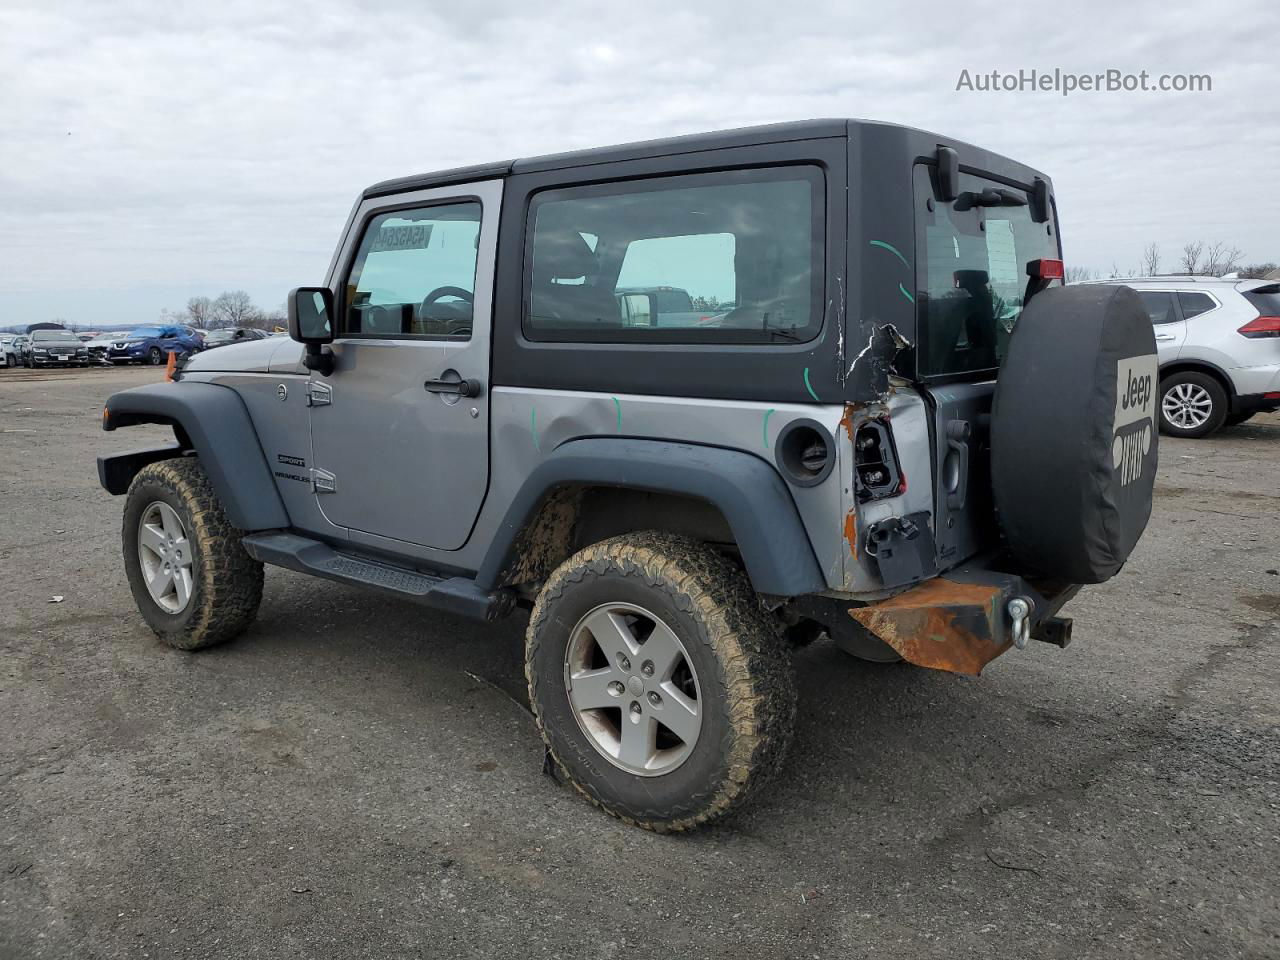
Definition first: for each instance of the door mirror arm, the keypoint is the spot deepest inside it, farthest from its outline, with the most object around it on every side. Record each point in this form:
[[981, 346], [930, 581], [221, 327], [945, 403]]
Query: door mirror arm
[[319, 358]]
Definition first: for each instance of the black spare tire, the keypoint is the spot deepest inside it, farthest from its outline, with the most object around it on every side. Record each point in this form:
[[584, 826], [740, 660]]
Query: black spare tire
[[1073, 432]]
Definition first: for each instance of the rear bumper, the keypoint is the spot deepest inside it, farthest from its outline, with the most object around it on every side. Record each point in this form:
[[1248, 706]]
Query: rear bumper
[[1257, 402], [961, 622]]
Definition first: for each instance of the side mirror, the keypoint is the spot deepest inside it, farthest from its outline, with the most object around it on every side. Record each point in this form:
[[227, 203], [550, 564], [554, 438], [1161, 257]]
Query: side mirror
[[639, 309], [311, 323]]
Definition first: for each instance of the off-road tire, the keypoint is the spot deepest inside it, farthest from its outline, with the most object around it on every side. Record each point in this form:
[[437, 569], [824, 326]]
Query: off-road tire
[[226, 581], [1235, 419], [746, 685], [1217, 397]]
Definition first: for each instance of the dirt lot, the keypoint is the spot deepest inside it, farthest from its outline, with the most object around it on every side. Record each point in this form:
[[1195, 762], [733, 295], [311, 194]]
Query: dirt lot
[[359, 778]]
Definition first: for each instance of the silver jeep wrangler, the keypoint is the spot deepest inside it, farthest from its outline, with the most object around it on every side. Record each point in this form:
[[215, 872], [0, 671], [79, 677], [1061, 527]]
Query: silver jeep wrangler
[[689, 402]]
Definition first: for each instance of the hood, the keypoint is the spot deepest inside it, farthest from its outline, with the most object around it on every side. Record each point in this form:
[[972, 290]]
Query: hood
[[250, 356]]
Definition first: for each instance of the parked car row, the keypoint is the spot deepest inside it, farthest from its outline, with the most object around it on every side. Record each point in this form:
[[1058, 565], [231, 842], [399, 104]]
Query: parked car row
[[147, 344]]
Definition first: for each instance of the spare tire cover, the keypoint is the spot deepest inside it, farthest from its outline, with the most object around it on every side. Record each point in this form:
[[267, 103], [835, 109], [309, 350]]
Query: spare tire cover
[[1073, 432]]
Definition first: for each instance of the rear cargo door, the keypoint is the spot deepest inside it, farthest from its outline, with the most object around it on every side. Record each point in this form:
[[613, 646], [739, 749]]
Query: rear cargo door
[[972, 255]]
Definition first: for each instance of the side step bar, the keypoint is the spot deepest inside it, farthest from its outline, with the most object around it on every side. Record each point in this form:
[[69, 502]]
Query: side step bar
[[456, 595]]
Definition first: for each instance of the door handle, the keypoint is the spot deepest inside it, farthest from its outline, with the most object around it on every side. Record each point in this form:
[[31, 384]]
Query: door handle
[[1166, 336], [457, 388]]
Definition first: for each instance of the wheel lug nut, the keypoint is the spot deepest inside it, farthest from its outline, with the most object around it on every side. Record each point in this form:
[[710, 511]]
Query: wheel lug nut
[[623, 662], [616, 688], [647, 668], [635, 709], [655, 699]]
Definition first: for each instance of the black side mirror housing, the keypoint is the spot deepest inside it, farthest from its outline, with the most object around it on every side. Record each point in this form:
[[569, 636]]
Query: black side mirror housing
[[311, 323]]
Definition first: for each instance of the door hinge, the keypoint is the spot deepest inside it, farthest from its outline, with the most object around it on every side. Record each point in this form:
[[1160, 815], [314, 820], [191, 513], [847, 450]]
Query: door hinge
[[322, 481], [318, 394]]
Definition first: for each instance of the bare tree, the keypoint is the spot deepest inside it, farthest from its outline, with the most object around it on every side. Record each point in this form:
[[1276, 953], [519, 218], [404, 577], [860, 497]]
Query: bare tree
[[1191, 257], [1078, 274], [199, 312], [1151, 260], [234, 308], [1117, 273], [1221, 259], [1256, 271]]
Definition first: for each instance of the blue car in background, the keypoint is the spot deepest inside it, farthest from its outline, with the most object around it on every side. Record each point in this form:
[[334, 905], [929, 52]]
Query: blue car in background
[[149, 345]]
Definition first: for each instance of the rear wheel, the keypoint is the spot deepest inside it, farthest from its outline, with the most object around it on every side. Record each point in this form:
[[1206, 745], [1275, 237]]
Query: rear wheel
[[1192, 405], [662, 690], [192, 580]]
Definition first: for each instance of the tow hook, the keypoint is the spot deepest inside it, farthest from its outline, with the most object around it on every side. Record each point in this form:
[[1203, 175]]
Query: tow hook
[[1019, 610]]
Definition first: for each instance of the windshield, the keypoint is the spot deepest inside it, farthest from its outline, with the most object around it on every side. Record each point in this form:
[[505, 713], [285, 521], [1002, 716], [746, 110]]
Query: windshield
[[972, 276], [216, 335], [143, 333], [55, 335]]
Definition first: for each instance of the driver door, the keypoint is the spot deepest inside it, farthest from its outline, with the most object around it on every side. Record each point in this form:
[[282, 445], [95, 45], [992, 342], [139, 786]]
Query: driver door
[[399, 431]]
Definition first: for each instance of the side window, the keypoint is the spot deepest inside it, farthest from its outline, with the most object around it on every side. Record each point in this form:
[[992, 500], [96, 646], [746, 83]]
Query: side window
[[733, 256], [415, 274], [1194, 304], [1159, 306]]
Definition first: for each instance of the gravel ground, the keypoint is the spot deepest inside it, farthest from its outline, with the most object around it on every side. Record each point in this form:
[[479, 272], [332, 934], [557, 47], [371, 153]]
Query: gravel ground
[[360, 778]]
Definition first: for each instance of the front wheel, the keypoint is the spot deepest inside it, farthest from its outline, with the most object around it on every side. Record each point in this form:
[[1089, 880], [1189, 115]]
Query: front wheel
[[190, 576], [10, 361], [155, 356], [1192, 405], [663, 691]]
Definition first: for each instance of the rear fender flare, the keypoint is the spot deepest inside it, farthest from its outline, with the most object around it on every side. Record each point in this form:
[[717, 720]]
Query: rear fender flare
[[748, 491]]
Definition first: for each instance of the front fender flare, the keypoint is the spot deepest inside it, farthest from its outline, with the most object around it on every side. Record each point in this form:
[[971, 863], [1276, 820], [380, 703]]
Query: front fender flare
[[216, 422], [748, 491]]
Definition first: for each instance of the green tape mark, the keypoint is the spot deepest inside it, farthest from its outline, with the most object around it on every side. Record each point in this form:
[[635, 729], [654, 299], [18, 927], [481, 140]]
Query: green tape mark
[[892, 249], [808, 386], [906, 294], [533, 428], [767, 414], [618, 405]]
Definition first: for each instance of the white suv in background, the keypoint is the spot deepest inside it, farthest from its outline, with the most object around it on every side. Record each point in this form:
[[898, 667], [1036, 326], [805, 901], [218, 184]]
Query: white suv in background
[[1219, 347]]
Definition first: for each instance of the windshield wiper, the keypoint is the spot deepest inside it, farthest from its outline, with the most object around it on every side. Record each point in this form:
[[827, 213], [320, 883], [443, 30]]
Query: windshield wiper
[[989, 198]]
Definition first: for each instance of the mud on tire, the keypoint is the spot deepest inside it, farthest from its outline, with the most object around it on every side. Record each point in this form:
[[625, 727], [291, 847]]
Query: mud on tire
[[746, 690], [226, 582]]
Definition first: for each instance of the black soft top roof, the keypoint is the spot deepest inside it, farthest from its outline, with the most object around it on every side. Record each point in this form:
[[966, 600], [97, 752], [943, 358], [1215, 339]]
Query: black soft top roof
[[743, 136]]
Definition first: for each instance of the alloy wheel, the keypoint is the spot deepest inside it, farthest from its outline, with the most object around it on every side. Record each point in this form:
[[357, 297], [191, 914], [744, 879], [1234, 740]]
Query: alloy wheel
[[1187, 405], [164, 553], [633, 689]]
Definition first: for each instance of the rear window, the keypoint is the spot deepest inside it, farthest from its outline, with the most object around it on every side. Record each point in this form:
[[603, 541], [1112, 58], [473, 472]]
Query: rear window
[[972, 274], [1193, 304], [734, 256], [1265, 299]]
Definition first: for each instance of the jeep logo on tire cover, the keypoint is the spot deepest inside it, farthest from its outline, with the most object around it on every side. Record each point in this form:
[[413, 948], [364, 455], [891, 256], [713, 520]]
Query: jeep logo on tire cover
[[1135, 420]]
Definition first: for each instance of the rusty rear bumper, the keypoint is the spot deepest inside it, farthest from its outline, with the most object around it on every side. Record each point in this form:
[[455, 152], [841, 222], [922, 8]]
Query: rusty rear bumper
[[959, 622]]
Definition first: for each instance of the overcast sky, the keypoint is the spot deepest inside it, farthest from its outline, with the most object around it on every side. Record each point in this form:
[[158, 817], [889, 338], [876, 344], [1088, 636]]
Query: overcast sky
[[150, 152]]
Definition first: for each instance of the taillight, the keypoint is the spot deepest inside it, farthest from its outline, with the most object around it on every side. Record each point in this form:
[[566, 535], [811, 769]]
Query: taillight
[[1047, 269], [1260, 327]]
